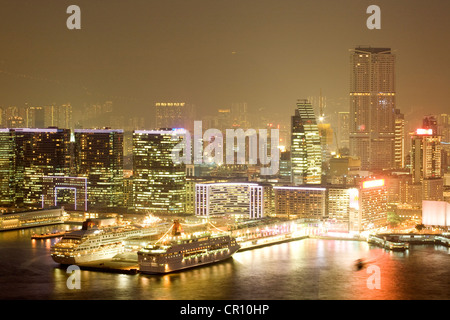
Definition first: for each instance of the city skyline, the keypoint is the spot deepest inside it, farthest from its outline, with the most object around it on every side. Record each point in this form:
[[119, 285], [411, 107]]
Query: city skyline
[[216, 54], [156, 143]]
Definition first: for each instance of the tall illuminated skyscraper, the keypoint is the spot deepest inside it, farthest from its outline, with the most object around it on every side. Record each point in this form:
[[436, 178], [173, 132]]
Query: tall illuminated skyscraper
[[399, 150], [372, 107], [99, 158], [426, 167], [425, 155], [8, 179], [27, 155], [306, 151], [158, 183]]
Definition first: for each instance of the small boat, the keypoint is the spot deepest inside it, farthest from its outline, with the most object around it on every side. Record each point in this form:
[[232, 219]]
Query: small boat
[[48, 235]]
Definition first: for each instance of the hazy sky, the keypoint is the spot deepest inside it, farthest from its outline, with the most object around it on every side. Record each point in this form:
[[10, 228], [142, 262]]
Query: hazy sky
[[268, 53]]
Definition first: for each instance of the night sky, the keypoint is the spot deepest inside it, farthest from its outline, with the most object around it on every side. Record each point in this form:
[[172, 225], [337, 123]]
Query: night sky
[[268, 53]]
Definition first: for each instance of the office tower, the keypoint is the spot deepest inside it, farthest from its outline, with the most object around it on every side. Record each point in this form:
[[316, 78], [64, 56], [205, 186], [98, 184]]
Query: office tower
[[443, 122], [343, 131], [32, 154], [99, 158], [372, 107], [8, 180], [399, 149], [158, 183], [426, 164], [175, 115], [425, 155], [306, 155]]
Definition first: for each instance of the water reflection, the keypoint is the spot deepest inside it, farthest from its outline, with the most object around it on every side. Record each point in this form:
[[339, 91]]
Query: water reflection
[[305, 269]]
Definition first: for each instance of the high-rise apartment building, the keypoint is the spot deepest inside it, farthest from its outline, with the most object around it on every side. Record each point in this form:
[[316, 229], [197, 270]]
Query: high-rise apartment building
[[306, 150], [99, 157], [58, 116], [372, 107], [174, 115], [158, 183]]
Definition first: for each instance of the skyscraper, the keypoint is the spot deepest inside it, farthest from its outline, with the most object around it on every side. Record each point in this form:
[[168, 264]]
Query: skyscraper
[[306, 151], [372, 107], [27, 155], [99, 158], [8, 179], [399, 149], [425, 155], [343, 131], [158, 183], [426, 163]]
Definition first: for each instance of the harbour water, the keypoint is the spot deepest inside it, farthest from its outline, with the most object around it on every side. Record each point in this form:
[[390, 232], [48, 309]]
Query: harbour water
[[309, 269]]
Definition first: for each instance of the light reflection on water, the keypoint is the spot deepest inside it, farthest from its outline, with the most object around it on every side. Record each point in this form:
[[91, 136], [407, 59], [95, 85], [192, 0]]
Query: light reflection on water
[[305, 269]]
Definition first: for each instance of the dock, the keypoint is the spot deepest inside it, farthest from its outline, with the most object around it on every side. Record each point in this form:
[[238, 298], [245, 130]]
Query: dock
[[268, 241], [389, 242]]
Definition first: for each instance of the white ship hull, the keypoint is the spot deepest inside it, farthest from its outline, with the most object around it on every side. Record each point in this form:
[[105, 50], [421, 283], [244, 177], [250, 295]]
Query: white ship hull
[[88, 257], [84, 246]]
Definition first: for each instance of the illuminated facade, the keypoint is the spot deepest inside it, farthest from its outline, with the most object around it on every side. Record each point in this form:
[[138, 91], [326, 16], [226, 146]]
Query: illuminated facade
[[70, 192], [372, 107], [355, 208], [372, 205], [425, 155], [99, 158], [300, 202], [242, 200], [436, 213], [399, 149], [426, 162], [306, 150], [158, 183], [8, 179], [32, 154]]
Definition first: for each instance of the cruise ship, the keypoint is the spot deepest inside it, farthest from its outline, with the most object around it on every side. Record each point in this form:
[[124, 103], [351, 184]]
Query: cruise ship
[[183, 252], [92, 243]]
